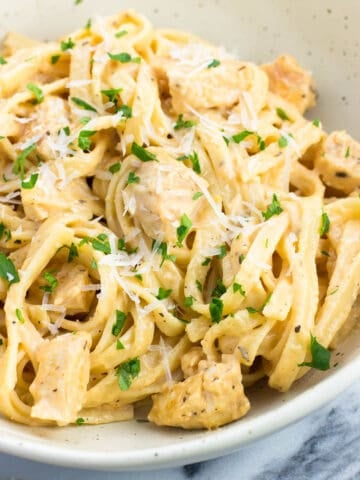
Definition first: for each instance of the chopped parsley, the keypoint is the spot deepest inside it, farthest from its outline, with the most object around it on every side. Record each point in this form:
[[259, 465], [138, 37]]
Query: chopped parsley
[[320, 356], [66, 130], [77, 2], [261, 309], [282, 114], [181, 123], [119, 345], [206, 262], [219, 290], [316, 122], [126, 372], [84, 120], [325, 224], [216, 307], [112, 94], [215, 63], [183, 229], [163, 293], [31, 182], [67, 45], [347, 153], [73, 252], [273, 209], [7, 270], [82, 104], [115, 167], [121, 245], [132, 178], [119, 323], [241, 258], [125, 110], [223, 252], [239, 137], [36, 91], [124, 57], [237, 287], [5, 231], [197, 195], [19, 315], [283, 142], [3, 61], [194, 159], [19, 165], [79, 421], [162, 249], [199, 285], [52, 282], [84, 141], [121, 33], [142, 154], [101, 244], [189, 301]]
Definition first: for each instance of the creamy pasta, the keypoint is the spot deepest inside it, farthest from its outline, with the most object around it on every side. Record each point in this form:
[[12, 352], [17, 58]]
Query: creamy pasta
[[172, 228]]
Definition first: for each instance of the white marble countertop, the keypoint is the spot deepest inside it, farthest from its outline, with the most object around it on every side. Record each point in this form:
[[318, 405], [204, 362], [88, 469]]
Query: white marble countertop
[[323, 446]]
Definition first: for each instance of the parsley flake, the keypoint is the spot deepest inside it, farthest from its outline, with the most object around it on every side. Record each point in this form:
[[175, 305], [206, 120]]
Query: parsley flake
[[183, 229], [67, 45], [82, 104], [316, 122], [189, 301], [181, 123], [3, 61], [325, 224], [112, 94], [7, 270], [84, 141], [320, 356], [19, 315], [115, 167], [121, 33], [215, 63], [216, 307], [119, 345], [347, 153], [219, 290], [132, 178], [52, 282], [123, 57], [163, 293], [142, 154], [273, 209], [162, 249], [283, 142], [119, 323], [125, 110], [282, 114], [126, 372], [237, 287], [36, 91], [197, 195], [80, 421], [31, 182], [19, 165]]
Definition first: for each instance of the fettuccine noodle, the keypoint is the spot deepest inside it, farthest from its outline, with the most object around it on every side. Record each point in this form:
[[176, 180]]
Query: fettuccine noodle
[[171, 227]]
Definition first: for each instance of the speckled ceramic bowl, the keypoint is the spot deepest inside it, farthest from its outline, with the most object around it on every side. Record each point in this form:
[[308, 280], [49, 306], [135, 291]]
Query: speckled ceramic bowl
[[324, 36]]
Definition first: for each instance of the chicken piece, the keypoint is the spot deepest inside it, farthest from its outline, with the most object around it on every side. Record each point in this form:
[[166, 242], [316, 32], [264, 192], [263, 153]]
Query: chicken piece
[[72, 278], [62, 376], [339, 162], [49, 197], [49, 117], [205, 88], [212, 397], [190, 361], [291, 82], [163, 194]]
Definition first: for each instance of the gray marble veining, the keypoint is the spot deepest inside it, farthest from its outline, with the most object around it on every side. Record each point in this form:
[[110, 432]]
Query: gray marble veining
[[323, 446]]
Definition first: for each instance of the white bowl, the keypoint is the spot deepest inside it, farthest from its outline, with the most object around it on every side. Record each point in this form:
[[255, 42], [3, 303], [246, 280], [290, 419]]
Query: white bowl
[[324, 37]]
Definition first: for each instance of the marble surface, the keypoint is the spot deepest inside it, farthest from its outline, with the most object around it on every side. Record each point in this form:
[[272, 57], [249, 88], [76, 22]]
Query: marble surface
[[323, 446]]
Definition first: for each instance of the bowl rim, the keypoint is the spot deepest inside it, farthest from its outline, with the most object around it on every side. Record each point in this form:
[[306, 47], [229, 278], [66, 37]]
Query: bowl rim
[[230, 438]]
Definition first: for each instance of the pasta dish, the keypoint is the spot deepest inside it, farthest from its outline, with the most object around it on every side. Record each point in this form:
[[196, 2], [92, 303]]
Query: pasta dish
[[172, 228]]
